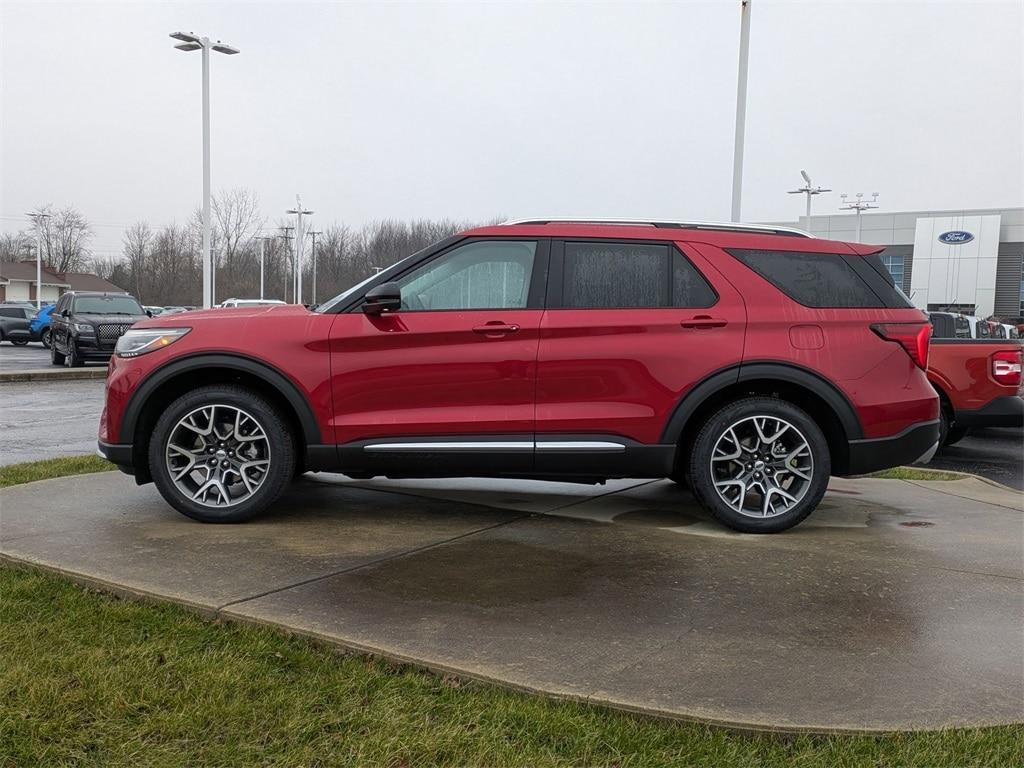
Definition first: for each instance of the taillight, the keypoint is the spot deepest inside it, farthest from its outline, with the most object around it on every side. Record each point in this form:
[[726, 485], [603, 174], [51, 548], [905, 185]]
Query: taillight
[[1006, 367], [913, 337]]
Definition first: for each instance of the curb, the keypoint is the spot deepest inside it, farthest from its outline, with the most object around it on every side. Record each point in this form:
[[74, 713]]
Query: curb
[[72, 374]]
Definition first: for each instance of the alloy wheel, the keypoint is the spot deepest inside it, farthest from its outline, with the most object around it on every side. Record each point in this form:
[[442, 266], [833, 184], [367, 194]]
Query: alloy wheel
[[762, 466], [218, 455]]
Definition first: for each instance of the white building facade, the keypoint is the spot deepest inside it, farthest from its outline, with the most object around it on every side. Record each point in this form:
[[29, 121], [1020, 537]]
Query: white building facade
[[959, 260]]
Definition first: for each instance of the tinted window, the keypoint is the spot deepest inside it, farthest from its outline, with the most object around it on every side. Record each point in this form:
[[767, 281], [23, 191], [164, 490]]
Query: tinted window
[[107, 305], [813, 279], [962, 327], [942, 326], [608, 275], [10, 312], [492, 274]]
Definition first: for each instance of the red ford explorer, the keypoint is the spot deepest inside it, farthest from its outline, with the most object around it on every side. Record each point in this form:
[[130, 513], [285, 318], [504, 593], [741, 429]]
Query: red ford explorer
[[747, 362]]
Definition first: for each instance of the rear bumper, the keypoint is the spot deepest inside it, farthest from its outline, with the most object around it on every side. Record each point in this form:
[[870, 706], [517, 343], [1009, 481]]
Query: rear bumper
[[915, 444], [1006, 411]]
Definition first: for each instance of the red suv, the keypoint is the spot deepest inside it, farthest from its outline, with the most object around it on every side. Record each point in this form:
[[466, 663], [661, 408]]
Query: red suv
[[748, 362]]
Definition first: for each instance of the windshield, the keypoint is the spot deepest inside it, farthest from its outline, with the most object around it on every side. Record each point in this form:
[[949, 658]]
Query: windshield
[[107, 305]]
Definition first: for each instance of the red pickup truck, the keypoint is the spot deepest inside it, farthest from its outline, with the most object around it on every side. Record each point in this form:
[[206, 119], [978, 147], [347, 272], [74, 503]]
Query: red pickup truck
[[979, 384]]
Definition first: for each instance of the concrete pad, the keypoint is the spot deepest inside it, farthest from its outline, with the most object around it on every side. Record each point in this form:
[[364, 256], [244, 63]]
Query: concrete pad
[[127, 535], [900, 607]]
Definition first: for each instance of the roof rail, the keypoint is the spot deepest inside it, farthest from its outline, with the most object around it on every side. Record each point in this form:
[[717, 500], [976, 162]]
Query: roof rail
[[767, 229]]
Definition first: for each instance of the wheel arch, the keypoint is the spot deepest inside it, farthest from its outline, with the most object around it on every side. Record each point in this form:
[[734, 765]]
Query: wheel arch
[[165, 384], [822, 400]]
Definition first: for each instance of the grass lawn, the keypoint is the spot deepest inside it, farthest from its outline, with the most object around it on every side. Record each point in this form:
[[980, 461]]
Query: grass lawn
[[87, 679]]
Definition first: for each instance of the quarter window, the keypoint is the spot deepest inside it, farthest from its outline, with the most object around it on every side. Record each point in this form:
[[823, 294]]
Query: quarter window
[[812, 279], [492, 274], [610, 275]]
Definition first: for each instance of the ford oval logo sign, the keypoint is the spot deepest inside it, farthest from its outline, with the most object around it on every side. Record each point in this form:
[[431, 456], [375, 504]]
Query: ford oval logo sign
[[956, 237]]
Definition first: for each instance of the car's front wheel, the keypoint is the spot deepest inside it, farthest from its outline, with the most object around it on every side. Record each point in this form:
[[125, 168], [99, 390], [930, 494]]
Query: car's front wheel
[[221, 454], [760, 465]]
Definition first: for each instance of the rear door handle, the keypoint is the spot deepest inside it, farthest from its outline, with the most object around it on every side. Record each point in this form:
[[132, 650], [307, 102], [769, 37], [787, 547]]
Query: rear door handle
[[496, 328], [704, 321]]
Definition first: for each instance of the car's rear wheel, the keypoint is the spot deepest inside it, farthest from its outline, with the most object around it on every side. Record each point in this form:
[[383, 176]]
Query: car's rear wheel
[[19, 342], [56, 358], [45, 338], [760, 465], [221, 454]]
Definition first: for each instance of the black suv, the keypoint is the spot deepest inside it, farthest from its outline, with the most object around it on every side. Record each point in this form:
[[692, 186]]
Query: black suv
[[86, 326]]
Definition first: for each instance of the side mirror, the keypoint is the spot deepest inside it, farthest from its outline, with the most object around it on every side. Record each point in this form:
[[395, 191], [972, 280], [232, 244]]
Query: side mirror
[[65, 313], [386, 296], [149, 313]]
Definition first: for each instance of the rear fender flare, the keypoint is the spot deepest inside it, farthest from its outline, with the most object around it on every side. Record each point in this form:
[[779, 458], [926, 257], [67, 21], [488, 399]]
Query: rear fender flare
[[783, 372]]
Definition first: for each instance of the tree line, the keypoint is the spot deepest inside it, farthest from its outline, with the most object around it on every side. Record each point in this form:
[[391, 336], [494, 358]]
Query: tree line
[[162, 266]]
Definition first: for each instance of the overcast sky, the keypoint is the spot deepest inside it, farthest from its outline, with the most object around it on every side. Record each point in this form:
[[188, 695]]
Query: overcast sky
[[472, 110]]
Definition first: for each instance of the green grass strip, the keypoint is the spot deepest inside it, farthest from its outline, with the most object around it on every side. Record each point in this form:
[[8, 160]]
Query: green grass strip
[[44, 470]]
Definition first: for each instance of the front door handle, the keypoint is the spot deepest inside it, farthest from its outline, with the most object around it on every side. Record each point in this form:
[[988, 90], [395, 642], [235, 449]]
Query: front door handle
[[496, 328], [704, 321]]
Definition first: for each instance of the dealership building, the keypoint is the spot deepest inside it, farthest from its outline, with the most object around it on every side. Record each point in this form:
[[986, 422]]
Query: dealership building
[[960, 260]]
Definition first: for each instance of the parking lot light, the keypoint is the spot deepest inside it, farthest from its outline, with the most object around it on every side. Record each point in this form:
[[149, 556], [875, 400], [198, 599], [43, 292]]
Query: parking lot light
[[193, 42], [37, 218]]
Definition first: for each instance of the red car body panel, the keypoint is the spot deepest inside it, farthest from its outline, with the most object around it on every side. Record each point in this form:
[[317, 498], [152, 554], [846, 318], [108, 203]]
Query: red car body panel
[[420, 373], [618, 371], [961, 369]]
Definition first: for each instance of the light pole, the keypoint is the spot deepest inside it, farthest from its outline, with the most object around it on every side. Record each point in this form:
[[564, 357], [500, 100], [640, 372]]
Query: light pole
[[191, 42], [312, 299], [859, 205], [810, 190], [262, 240], [299, 212], [741, 108], [286, 236], [37, 218]]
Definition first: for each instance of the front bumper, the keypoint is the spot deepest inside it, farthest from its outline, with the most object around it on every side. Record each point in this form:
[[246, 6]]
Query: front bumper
[[916, 444], [121, 455], [1006, 411], [89, 348]]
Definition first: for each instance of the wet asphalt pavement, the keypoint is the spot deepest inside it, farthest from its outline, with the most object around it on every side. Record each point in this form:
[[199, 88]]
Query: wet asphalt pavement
[[997, 454], [31, 357], [44, 419]]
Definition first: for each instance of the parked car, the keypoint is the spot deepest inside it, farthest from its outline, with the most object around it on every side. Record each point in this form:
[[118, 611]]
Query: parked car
[[978, 381], [232, 303], [86, 325], [153, 311], [749, 362], [41, 324], [15, 324]]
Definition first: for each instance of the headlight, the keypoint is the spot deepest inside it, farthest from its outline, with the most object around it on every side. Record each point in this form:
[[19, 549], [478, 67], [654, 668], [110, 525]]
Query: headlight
[[83, 327], [137, 342]]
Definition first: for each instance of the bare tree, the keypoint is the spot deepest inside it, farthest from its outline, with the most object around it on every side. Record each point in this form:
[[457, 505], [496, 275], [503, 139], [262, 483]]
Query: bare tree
[[15, 246], [137, 240], [65, 235]]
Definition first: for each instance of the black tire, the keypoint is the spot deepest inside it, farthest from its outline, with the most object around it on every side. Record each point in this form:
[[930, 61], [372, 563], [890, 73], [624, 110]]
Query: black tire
[[956, 434], [280, 438], [702, 482], [45, 338], [20, 343], [56, 358], [72, 358]]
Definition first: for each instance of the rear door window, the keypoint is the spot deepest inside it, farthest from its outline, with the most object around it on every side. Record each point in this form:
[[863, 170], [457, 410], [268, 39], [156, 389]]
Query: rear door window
[[624, 275], [820, 280]]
